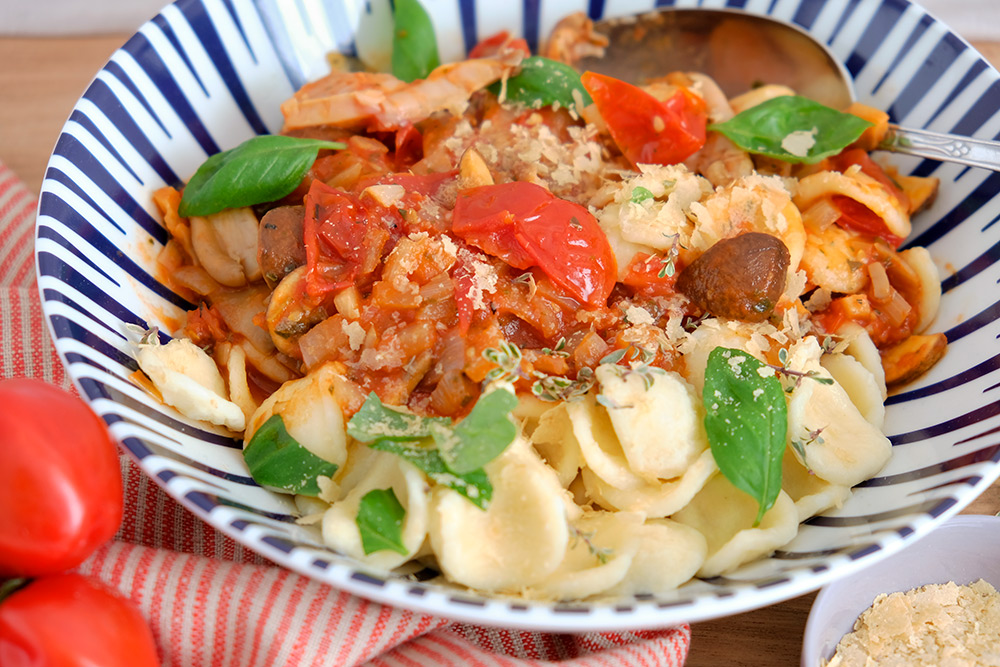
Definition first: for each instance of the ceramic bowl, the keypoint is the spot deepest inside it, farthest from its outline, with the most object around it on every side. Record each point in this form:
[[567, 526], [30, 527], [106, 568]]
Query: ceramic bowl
[[204, 75], [962, 550]]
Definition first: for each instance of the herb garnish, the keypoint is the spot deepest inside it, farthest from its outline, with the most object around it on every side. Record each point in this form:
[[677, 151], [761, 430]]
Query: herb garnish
[[380, 522], [278, 461], [746, 419], [451, 454], [262, 169], [763, 128], [543, 82], [414, 45]]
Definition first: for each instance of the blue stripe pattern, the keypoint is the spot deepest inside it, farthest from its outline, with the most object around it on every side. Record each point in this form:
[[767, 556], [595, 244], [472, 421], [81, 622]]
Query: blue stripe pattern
[[153, 113]]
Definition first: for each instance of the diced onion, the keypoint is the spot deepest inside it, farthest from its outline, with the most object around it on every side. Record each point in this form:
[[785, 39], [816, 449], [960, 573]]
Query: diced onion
[[896, 309], [882, 291], [821, 215]]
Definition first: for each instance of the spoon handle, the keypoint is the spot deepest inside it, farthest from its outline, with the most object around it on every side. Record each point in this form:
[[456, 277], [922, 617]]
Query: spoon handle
[[944, 147]]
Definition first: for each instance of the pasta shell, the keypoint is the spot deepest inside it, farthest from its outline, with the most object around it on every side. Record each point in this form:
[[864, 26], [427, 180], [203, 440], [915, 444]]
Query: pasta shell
[[654, 499], [725, 515], [602, 548], [312, 416], [658, 420], [518, 541], [849, 449], [669, 554], [381, 471], [860, 385], [811, 494]]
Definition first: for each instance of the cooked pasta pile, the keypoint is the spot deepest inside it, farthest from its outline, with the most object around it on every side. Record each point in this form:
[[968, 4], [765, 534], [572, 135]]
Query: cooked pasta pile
[[560, 340]]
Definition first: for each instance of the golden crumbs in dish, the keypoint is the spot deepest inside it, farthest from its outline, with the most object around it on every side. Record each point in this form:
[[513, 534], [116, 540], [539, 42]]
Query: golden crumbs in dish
[[939, 624]]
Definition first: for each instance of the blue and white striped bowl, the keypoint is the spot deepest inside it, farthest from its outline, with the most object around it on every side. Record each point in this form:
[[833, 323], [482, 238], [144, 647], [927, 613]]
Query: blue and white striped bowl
[[205, 75]]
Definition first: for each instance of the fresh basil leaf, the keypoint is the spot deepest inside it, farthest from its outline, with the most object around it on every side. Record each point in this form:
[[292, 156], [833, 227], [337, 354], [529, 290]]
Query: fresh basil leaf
[[770, 129], [473, 485], [262, 169], [380, 522], [746, 419], [482, 436], [414, 46], [277, 460], [542, 82], [375, 421]]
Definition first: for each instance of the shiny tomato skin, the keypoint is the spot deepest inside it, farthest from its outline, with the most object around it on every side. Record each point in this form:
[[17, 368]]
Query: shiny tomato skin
[[525, 225], [646, 130], [68, 620], [60, 482], [857, 217]]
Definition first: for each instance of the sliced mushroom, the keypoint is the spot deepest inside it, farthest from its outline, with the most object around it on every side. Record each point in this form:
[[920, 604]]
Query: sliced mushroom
[[281, 248], [288, 317]]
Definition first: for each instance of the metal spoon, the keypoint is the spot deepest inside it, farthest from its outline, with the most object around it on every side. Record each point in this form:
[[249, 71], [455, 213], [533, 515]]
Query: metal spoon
[[740, 51]]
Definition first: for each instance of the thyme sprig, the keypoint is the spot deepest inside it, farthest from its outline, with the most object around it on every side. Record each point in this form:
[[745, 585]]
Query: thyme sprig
[[507, 359], [812, 437], [602, 554], [796, 376]]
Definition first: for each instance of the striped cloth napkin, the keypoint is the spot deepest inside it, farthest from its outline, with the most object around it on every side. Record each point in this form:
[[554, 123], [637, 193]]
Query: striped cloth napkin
[[213, 603]]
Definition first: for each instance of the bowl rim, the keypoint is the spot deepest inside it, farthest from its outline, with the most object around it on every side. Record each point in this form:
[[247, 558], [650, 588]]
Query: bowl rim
[[495, 610]]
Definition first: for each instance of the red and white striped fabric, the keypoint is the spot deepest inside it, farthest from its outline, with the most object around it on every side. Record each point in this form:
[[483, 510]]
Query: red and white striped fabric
[[213, 603]]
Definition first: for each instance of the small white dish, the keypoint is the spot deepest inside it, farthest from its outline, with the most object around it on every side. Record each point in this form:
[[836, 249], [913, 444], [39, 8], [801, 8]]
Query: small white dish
[[962, 550]]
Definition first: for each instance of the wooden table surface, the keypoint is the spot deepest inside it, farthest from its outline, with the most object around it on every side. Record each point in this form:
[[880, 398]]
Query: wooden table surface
[[41, 79]]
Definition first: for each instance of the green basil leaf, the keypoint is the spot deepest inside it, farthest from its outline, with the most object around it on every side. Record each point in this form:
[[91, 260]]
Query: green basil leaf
[[542, 82], [375, 421], [473, 485], [481, 436], [380, 522], [277, 460], [262, 169], [746, 419], [414, 46], [766, 129]]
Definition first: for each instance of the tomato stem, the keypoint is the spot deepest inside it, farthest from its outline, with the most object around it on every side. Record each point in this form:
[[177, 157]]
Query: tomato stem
[[10, 586]]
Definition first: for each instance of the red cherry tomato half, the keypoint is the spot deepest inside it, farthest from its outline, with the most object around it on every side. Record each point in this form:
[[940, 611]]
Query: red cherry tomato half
[[491, 46], [60, 482], [67, 620], [525, 225], [646, 130], [857, 217]]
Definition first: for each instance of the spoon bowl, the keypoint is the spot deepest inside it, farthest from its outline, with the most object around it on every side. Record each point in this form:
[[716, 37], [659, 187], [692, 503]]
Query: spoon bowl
[[741, 51]]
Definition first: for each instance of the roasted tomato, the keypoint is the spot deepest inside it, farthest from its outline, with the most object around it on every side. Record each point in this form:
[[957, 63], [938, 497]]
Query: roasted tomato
[[525, 225], [60, 482], [646, 130]]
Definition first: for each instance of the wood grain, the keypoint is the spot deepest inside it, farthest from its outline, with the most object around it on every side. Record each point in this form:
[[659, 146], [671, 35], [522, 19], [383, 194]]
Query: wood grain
[[41, 79]]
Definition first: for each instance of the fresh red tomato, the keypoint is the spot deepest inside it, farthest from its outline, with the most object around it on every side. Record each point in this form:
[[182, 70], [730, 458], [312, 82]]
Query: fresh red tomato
[[648, 274], [525, 225], [857, 217], [67, 620], [60, 482], [491, 45], [646, 130]]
